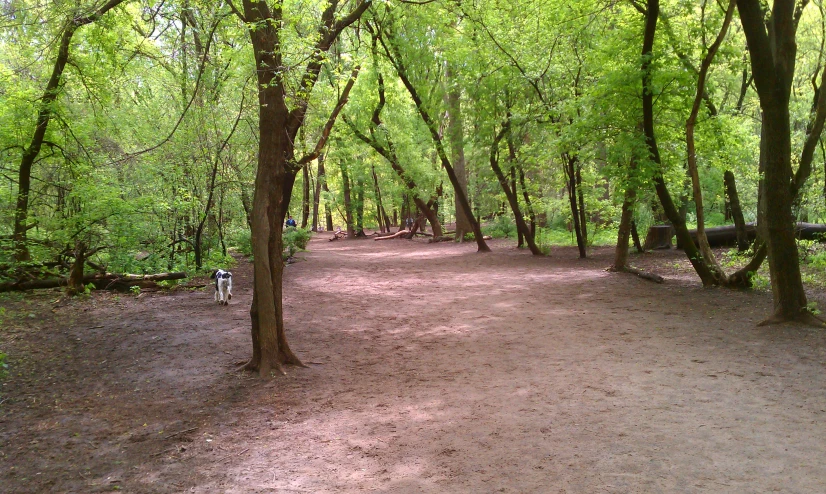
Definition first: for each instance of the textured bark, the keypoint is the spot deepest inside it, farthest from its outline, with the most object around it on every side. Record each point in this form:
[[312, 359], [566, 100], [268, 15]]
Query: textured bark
[[510, 193], [693, 254], [456, 138], [773, 54], [736, 211], [693, 172], [626, 222], [278, 127]]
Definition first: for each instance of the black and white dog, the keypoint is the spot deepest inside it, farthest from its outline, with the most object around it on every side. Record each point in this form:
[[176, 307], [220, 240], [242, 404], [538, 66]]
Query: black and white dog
[[223, 286]]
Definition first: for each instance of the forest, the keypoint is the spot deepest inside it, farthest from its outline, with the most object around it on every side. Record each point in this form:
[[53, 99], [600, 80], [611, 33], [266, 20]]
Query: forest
[[144, 144]]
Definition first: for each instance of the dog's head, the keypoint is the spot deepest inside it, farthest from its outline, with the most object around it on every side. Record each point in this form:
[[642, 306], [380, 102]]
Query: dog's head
[[219, 274]]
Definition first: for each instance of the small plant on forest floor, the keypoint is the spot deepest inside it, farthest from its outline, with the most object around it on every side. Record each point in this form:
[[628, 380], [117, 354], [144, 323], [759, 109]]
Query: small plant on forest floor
[[4, 366], [135, 290], [811, 307], [295, 240]]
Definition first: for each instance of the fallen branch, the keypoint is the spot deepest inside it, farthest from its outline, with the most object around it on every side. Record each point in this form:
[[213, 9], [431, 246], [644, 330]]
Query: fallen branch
[[106, 281], [443, 238], [642, 274], [398, 234]]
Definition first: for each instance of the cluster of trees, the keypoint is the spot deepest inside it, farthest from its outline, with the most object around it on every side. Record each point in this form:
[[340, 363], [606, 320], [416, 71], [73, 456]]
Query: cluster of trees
[[140, 136]]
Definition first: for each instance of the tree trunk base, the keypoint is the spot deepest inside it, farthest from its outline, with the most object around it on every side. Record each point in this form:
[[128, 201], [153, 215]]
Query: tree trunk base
[[803, 317]]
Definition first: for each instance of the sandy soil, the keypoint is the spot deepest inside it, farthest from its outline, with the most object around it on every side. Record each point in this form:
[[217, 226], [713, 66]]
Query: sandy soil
[[431, 369]]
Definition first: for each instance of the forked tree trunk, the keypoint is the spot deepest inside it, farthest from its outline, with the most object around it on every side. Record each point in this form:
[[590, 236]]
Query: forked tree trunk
[[511, 193], [570, 164], [773, 54], [275, 177], [670, 210]]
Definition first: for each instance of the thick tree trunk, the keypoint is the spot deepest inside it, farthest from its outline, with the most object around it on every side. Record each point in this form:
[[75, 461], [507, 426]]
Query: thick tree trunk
[[75, 283], [773, 54]]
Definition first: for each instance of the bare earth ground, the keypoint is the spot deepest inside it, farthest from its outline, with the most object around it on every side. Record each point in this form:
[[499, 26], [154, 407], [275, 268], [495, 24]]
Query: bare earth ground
[[431, 369]]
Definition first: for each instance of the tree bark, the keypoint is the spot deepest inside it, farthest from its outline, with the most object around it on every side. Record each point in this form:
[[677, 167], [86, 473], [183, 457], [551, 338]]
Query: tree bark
[[693, 254], [773, 54], [455, 134], [278, 127], [510, 193], [570, 162], [319, 177], [736, 211], [305, 197]]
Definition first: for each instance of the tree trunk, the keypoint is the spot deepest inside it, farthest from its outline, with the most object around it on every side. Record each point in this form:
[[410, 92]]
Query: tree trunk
[[583, 217], [635, 235], [379, 207], [437, 141], [455, 134], [348, 204], [319, 177], [305, 197], [75, 283], [510, 193], [626, 222], [570, 164], [736, 211], [773, 56], [328, 213], [278, 127], [693, 254]]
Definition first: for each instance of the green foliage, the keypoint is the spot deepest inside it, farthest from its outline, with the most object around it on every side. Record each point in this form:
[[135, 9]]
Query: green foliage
[[503, 227], [4, 366], [295, 240]]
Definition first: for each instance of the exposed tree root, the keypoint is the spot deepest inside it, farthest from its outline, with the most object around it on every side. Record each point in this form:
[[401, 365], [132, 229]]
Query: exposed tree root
[[803, 317]]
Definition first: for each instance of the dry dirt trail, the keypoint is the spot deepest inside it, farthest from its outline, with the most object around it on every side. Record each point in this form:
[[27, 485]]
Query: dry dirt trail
[[431, 369]]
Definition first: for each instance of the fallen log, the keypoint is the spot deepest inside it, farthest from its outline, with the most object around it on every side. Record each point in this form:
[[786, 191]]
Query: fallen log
[[106, 281], [443, 238], [398, 234]]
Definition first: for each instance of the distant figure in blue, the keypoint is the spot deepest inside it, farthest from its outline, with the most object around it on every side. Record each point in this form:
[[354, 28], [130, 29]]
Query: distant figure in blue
[[291, 221]]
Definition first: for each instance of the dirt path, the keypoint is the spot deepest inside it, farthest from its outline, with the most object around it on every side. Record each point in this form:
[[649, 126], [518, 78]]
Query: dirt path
[[432, 369]]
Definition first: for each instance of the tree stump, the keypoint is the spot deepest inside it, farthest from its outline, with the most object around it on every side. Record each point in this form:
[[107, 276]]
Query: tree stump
[[659, 237]]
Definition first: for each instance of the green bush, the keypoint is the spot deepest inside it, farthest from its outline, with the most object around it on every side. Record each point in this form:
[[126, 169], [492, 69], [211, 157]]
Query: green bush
[[295, 240], [503, 227]]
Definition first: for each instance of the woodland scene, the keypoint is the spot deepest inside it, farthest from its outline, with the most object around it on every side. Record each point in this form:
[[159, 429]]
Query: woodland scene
[[412, 246]]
